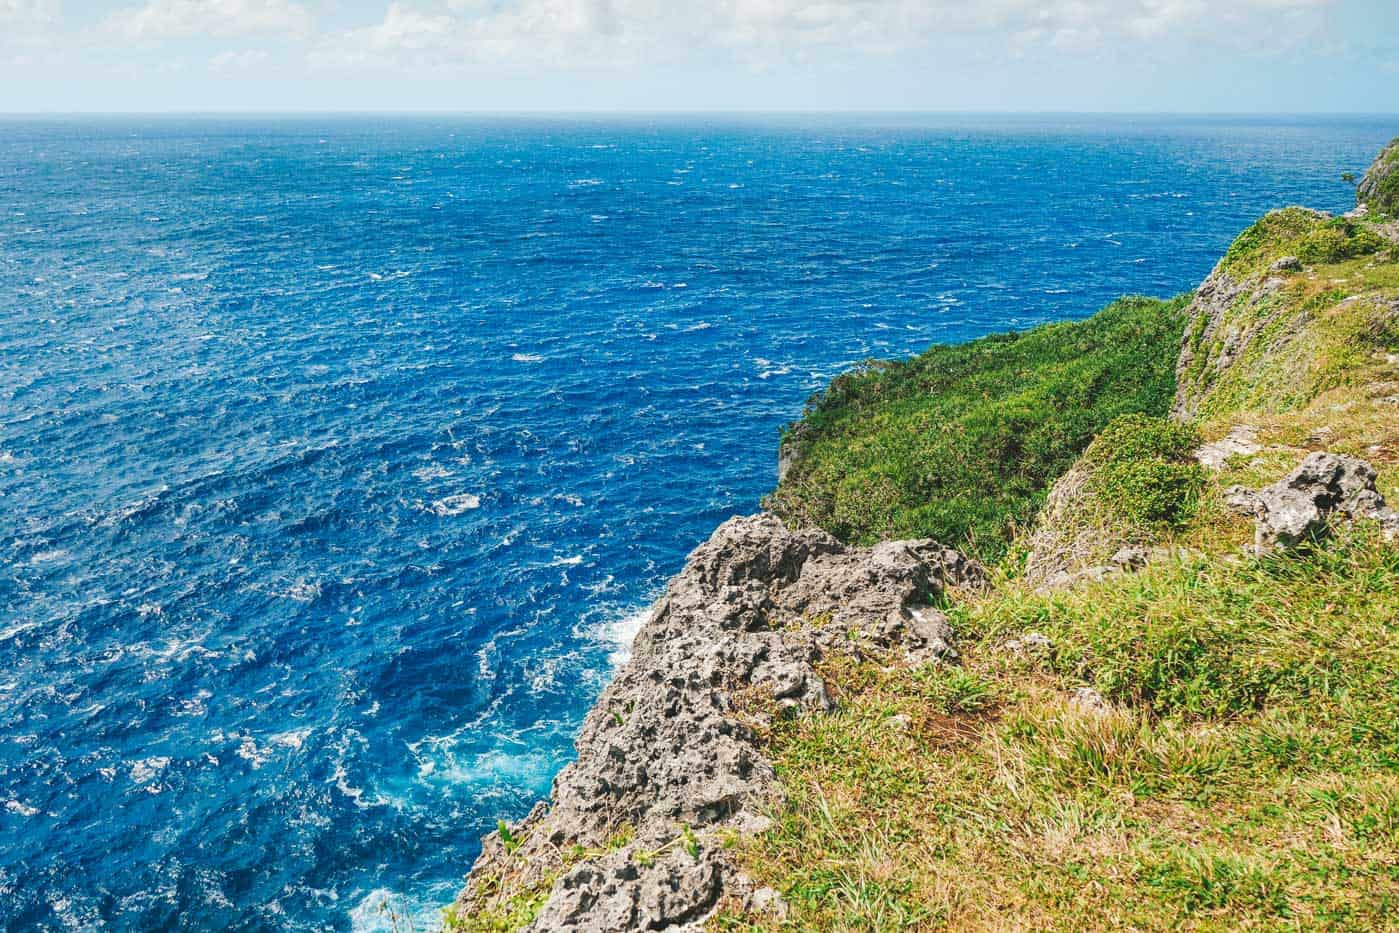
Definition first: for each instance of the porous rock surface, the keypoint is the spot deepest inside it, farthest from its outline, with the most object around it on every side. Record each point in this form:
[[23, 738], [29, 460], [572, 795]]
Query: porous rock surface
[[1220, 300], [669, 754], [1302, 505], [1241, 441], [1373, 192]]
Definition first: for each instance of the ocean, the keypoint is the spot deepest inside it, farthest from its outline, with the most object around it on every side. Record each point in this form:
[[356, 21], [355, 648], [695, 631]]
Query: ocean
[[340, 456]]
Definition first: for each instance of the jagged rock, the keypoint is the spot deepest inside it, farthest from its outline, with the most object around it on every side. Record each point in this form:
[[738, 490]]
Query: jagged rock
[[788, 449], [1302, 505], [667, 748], [1242, 440], [1379, 189], [1286, 264], [1220, 299]]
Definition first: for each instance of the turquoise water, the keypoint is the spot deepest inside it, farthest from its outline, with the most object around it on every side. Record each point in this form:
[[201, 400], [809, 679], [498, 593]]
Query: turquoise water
[[339, 456]]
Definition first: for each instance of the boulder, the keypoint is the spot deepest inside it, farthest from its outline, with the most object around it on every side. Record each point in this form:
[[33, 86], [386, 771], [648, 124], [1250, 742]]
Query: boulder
[[1303, 504]]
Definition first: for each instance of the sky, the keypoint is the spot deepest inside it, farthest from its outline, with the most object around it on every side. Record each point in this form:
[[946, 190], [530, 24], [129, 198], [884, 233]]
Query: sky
[[1192, 56]]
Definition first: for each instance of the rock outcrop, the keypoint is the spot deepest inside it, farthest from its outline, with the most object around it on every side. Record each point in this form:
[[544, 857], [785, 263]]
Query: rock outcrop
[[670, 753], [1302, 505], [1227, 314], [1378, 190]]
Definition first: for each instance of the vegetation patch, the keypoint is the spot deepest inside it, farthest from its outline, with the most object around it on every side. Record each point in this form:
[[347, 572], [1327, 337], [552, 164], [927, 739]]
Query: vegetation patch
[[1338, 240], [1245, 772], [961, 442], [1142, 471]]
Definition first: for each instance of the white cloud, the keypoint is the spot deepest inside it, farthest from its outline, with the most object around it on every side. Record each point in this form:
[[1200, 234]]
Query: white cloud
[[28, 30], [217, 19], [232, 61], [28, 14], [574, 33]]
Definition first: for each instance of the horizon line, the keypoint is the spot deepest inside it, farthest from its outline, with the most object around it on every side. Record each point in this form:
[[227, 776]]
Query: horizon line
[[705, 111]]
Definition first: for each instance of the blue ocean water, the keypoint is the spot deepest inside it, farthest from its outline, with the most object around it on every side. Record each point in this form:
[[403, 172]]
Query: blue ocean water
[[338, 456]]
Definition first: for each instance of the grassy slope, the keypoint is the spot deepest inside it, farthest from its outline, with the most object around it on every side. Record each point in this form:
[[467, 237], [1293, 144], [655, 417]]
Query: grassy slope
[[1246, 770], [961, 442]]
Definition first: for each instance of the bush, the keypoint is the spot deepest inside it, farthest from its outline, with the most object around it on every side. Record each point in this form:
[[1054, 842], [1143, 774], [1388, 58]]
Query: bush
[[1338, 240], [961, 443], [1143, 471]]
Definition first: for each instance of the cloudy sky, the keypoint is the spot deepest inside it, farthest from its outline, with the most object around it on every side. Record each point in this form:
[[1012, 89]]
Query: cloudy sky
[[984, 55]]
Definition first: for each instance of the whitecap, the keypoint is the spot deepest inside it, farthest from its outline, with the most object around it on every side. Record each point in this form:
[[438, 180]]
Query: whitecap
[[428, 473], [455, 505], [291, 739], [249, 752], [527, 357], [16, 806], [620, 632], [146, 769]]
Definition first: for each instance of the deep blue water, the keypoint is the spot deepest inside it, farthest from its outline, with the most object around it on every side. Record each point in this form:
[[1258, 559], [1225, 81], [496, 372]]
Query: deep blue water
[[337, 454]]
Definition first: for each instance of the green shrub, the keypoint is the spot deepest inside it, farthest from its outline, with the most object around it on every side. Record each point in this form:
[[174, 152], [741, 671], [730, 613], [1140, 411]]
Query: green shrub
[[1338, 240], [1143, 472], [961, 442]]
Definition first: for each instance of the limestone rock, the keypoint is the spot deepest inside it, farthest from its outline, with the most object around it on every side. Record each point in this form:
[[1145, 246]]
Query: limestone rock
[[669, 751], [1379, 188], [1220, 300], [1242, 440], [1302, 504]]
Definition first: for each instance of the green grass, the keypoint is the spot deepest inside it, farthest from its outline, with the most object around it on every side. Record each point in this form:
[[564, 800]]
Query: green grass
[[1318, 329], [1245, 775], [961, 442], [1141, 469]]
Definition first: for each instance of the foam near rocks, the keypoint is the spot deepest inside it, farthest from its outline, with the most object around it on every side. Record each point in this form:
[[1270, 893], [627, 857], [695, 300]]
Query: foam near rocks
[[667, 756]]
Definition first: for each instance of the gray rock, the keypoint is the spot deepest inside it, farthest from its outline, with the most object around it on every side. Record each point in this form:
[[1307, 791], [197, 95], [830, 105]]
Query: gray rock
[[1220, 299], [669, 745], [1373, 191], [1286, 264], [1303, 504], [1242, 441]]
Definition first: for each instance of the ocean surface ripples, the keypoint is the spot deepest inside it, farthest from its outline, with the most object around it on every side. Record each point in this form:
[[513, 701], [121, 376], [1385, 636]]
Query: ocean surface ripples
[[339, 457]]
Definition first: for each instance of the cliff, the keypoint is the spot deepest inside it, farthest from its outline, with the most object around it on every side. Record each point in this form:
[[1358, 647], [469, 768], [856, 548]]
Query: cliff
[[1160, 696]]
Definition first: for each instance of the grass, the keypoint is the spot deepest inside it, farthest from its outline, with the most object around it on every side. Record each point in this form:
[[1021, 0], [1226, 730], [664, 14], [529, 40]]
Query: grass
[[1246, 773], [961, 443], [1236, 765], [1324, 327]]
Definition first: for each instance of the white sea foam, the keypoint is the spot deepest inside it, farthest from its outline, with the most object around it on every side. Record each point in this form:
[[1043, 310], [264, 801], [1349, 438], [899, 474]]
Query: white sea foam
[[620, 632], [429, 473], [292, 739], [249, 752], [16, 806], [527, 357], [455, 505], [147, 769]]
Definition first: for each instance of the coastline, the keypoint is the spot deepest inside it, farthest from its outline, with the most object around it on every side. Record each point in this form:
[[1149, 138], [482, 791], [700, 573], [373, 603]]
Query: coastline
[[675, 768]]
